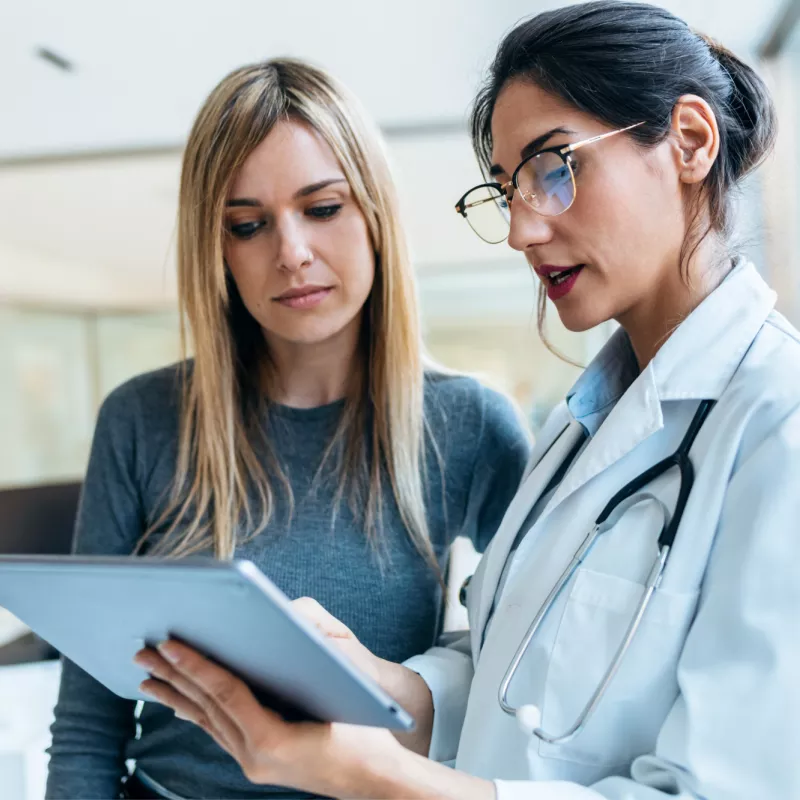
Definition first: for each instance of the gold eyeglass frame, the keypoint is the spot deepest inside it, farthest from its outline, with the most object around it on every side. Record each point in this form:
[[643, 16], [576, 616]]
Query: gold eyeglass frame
[[563, 151]]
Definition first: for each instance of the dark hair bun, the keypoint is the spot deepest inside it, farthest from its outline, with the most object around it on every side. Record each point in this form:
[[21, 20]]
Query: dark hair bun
[[752, 137]]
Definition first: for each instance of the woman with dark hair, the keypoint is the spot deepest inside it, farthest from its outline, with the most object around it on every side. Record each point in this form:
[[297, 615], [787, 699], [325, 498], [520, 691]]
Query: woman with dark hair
[[634, 622]]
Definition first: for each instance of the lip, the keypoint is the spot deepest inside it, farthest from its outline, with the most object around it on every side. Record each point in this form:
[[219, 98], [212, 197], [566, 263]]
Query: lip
[[545, 269], [559, 290], [307, 296]]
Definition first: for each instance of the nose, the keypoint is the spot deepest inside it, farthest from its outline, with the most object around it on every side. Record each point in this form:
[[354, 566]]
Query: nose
[[526, 227], [294, 249]]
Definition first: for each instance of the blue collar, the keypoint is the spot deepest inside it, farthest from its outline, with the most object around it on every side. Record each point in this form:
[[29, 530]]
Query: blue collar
[[603, 382]]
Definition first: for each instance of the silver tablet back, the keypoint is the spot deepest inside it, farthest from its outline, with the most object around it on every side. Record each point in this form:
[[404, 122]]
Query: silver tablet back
[[99, 611]]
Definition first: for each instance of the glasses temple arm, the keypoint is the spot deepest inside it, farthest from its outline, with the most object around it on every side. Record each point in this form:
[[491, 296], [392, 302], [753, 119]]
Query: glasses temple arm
[[571, 148]]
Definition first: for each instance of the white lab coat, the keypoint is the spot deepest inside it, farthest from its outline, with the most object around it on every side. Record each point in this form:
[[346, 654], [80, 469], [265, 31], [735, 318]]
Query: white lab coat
[[707, 701]]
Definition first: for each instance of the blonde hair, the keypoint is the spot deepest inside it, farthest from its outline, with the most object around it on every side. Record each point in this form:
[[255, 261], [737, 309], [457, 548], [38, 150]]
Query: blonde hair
[[382, 430]]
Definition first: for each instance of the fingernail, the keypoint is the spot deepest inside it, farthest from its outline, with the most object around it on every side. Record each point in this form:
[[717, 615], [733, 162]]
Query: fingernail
[[144, 690], [168, 651], [144, 660]]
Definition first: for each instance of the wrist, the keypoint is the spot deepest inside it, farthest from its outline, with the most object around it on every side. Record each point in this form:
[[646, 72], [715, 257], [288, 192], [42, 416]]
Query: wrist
[[391, 676], [377, 774], [411, 692], [399, 774]]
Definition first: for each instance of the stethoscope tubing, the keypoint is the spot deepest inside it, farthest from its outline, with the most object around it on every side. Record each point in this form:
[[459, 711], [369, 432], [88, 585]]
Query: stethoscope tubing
[[623, 500]]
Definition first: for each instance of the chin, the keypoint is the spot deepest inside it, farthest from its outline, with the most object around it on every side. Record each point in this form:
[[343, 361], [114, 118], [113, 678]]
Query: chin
[[578, 321], [308, 338], [308, 334]]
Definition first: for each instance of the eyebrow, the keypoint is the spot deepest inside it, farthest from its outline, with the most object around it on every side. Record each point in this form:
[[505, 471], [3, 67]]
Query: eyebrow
[[532, 147], [250, 202]]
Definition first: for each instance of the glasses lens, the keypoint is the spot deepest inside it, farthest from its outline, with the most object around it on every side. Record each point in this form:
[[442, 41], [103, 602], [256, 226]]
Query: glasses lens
[[545, 183], [486, 209]]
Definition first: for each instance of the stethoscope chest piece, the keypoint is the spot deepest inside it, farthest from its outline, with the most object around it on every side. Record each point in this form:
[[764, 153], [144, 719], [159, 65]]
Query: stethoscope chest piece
[[529, 718]]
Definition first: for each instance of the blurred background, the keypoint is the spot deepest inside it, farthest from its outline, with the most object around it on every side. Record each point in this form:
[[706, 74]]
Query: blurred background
[[96, 99]]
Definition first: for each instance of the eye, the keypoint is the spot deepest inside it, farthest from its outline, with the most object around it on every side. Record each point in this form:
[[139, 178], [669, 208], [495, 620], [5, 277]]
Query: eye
[[557, 175], [246, 230], [324, 212]]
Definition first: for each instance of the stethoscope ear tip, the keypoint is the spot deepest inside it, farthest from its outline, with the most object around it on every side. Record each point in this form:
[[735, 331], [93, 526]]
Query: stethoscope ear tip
[[529, 719]]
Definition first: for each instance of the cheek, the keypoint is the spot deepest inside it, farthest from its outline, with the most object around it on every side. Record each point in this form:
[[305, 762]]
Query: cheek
[[245, 261], [352, 258], [629, 218], [363, 274]]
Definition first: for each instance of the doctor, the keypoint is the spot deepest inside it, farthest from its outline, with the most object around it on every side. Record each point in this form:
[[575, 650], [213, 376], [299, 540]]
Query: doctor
[[663, 661]]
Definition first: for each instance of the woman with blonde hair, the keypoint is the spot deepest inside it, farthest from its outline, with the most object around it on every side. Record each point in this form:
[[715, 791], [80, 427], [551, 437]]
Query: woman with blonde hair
[[307, 434]]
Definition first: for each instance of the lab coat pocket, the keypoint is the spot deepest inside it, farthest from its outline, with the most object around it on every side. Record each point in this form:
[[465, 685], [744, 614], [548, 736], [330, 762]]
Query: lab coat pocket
[[628, 718]]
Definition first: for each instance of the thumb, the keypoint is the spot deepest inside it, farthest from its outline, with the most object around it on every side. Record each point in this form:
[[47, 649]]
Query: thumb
[[326, 623]]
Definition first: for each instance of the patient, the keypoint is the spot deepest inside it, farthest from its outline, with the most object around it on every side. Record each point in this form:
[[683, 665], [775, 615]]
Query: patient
[[307, 434]]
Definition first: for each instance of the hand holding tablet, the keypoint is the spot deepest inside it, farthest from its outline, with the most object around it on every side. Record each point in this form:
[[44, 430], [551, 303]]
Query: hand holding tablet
[[99, 612]]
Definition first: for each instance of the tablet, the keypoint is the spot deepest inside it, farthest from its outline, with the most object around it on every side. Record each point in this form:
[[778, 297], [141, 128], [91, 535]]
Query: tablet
[[99, 611]]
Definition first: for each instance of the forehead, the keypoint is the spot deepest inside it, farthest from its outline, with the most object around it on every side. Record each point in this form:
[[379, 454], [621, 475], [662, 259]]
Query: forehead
[[291, 156], [524, 111]]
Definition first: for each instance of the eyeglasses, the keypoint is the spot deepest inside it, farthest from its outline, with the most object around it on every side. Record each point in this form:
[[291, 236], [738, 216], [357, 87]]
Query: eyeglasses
[[544, 180]]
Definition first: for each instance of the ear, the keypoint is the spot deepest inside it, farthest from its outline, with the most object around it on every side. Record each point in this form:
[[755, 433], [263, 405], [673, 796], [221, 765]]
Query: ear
[[694, 136]]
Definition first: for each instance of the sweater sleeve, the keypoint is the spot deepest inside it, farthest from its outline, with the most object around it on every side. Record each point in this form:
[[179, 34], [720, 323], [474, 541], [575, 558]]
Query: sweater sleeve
[[92, 725]]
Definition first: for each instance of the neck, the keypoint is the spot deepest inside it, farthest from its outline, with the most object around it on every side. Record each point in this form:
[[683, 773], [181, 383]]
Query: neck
[[312, 375], [653, 320]]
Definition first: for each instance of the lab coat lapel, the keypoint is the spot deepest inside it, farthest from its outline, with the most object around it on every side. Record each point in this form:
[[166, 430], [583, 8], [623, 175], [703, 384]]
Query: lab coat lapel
[[635, 417]]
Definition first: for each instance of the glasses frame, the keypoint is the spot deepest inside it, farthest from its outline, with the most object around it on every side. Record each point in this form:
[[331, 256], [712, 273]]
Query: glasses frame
[[564, 151]]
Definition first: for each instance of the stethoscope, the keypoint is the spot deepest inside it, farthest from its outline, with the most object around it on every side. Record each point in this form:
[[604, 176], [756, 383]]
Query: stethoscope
[[529, 716]]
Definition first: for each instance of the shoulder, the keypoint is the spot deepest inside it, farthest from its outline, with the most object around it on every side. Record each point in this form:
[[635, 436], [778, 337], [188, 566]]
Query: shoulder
[[765, 390], [474, 423], [151, 394], [768, 378], [144, 409], [465, 401]]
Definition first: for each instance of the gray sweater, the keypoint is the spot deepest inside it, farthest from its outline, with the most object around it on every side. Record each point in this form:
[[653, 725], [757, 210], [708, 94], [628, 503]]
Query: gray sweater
[[396, 612]]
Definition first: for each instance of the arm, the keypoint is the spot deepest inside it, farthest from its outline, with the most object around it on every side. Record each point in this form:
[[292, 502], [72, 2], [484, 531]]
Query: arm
[[437, 680], [326, 758], [446, 674], [399, 682], [92, 725], [348, 760], [413, 694]]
